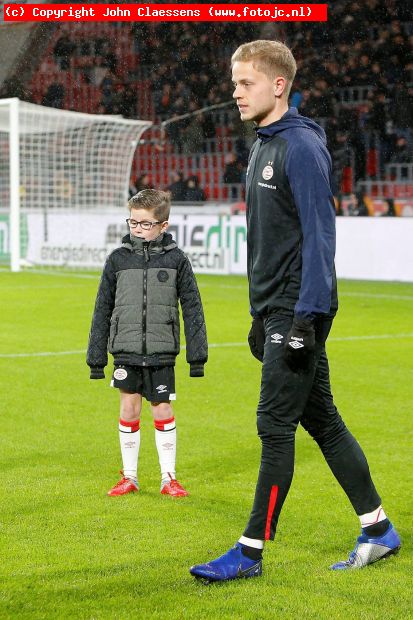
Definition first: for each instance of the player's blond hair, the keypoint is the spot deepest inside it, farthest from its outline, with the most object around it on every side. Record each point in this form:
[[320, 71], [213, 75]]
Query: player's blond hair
[[154, 200], [272, 58]]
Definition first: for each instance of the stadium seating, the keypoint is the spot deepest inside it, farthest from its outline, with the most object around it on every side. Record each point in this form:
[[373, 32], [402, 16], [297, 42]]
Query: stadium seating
[[93, 73]]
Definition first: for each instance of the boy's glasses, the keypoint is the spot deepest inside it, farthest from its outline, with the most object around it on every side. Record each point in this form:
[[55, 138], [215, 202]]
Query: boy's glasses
[[145, 225]]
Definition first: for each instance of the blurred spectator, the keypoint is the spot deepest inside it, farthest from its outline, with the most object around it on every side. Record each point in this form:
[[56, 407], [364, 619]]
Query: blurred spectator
[[379, 123], [389, 211], [233, 169], [63, 51], [234, 175], [163, 100], [108, 87], [361, 205], [357, 205], [341, 158], [402, 110], [178, 187], [401, 153], [132, 189], [194, 193], [13, 87], [124, 101], [55, 95], [142, 182]]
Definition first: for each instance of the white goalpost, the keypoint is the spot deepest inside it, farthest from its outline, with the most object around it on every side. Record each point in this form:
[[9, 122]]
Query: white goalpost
[[60, 173]]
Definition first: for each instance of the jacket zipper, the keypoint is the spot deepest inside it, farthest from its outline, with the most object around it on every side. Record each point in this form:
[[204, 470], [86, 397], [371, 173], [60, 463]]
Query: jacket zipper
[[144, 303], [251, 174]]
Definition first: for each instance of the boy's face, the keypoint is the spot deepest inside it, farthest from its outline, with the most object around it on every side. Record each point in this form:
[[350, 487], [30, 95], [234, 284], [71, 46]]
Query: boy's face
[[255, 93], [143, 215]]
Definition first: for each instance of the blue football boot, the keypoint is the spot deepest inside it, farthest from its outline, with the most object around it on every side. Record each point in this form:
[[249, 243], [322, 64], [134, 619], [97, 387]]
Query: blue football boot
[[369, 550], [232, 565]]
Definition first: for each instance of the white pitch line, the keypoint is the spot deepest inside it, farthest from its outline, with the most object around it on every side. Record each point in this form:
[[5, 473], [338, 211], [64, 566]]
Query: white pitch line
[[42, 354], [213, 345], [377, 337], [377, 296]]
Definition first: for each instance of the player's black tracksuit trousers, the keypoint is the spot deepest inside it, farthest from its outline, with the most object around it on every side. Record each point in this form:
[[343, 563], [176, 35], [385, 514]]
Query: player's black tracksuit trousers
[[286, 399]]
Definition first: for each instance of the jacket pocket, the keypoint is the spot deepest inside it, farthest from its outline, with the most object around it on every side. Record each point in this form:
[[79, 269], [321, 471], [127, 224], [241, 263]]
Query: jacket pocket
[[171, 322]]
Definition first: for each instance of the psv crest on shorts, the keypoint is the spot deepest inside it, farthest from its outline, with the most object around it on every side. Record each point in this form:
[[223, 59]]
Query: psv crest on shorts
[[120, 374]]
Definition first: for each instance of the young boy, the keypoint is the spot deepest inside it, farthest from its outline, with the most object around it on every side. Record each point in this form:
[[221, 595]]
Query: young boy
[[136, 318]]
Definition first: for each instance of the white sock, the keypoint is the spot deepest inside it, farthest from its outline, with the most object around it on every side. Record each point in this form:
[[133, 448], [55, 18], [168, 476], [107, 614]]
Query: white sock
[[371, 518], [251, 542], [130, 440], [165, 438]]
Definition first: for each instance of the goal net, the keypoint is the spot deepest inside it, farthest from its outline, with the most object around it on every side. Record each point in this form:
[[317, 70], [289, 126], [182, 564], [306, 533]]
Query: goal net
[[63, 175]]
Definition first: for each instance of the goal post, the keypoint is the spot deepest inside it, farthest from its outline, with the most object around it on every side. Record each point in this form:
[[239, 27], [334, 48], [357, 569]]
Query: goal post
[[55, 165]]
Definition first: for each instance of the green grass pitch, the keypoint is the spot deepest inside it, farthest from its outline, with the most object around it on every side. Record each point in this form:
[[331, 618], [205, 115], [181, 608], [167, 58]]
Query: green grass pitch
[[69, 551]]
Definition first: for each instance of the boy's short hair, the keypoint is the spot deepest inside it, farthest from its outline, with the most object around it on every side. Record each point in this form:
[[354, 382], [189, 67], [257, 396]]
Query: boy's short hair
[[270, 57], [154, 200]]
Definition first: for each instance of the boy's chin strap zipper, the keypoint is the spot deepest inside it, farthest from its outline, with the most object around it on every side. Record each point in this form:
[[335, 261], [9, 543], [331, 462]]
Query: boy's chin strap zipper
[[145, 251]]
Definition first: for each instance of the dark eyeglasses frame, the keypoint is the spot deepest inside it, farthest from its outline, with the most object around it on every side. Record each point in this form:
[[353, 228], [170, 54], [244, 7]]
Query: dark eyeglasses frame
[[145, 225]]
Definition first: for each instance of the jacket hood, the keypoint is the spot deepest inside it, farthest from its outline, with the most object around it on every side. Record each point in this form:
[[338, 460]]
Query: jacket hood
[[291, 119], [163, 243]]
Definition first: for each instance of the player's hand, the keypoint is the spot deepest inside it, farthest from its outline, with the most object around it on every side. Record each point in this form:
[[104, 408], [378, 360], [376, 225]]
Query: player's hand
[[300, 344], [196, 370], [96, 372], [256, 338]]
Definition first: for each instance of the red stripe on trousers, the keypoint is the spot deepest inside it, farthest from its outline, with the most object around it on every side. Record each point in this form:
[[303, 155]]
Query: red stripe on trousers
[[270, 511]]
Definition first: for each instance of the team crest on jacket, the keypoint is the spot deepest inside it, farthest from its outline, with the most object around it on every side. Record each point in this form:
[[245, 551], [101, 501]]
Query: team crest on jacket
[[163, 276], [267, 172]]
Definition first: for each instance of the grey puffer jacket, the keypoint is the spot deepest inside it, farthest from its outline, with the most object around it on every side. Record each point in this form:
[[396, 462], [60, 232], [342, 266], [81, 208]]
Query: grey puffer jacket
[[136, 316]]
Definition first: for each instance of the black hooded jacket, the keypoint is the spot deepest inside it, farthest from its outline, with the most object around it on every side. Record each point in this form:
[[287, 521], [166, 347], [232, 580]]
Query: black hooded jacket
[[291, 220]]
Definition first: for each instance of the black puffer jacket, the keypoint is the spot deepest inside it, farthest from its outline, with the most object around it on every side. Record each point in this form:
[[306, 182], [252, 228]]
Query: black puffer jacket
[[136, 316]]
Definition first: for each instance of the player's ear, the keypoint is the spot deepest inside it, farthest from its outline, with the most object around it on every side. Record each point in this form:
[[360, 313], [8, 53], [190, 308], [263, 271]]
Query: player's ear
[[164, 226], [279, 85]]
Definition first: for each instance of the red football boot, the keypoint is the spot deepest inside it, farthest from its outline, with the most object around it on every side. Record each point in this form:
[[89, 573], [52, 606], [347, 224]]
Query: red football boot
[[123, 487], [174, 489]]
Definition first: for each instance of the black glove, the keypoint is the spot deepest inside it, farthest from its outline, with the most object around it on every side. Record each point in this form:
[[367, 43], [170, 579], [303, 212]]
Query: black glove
[[256, 338], [300, 344], [196, 370], [96, 372]]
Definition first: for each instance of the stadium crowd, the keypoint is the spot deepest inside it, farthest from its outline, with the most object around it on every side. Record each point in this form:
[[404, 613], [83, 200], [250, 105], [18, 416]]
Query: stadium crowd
[[355, 77]]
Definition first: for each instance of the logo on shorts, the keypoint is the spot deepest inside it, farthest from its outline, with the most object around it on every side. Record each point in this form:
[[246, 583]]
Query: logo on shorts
[[120, 374], [276, 338], [163, 276], [268, 172], [161, 389]]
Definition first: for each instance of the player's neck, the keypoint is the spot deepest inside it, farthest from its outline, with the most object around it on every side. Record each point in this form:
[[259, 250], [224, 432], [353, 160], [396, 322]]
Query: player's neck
[[280, 108]]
